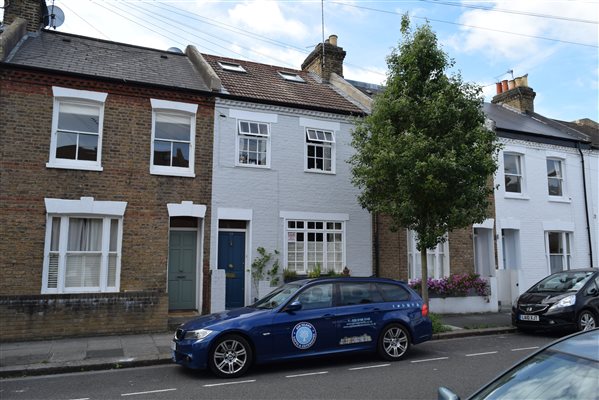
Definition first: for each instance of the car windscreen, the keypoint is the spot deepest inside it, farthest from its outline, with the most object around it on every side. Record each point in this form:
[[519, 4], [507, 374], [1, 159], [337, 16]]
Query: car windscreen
[[278, 296], [567, 281], [548, 375]]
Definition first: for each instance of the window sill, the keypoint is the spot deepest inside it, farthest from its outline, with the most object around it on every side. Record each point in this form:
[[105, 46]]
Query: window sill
[[253, 166], [74, 166], [556, 199], [516, 196], [173, 172], [318, 171]]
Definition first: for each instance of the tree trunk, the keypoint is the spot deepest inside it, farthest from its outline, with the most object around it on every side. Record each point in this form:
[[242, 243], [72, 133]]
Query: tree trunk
[[424, 273]]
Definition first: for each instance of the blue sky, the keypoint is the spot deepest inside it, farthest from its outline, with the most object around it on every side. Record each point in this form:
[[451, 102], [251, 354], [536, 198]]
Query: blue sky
[[555, 42]]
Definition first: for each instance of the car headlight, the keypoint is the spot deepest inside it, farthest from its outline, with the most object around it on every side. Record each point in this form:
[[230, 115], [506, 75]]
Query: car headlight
[[197, 334], [565, 302]]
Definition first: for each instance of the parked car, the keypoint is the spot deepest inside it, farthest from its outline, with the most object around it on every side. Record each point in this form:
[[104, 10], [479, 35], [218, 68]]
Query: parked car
[[563, 300], [565, 369], [311, 317]]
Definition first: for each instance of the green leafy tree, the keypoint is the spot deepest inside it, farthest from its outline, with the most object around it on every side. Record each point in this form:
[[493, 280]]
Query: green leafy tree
[[424, 156]]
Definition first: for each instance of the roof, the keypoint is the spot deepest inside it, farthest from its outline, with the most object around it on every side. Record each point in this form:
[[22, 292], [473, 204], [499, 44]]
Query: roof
[[586, 126], [104, 59], [582, 345], [369, 89], [511, 120], [263, 83]]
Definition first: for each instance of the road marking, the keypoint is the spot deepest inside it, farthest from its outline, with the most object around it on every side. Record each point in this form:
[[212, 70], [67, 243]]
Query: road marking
[[526, 348], [308, 374], [481, 354], [148, 392], [83, 398], [229, 383], [429, 359], [370, 366]]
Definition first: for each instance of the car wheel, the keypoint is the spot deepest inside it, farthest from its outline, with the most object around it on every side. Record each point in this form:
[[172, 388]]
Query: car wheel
[[394, 342], [586, 321], [230, 357]]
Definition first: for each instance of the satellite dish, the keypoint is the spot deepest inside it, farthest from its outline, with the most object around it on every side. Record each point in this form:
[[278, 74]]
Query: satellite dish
[[54, 18]]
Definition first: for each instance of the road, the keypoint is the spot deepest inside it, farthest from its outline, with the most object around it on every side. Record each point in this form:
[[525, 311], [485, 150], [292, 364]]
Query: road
[[461, 364]]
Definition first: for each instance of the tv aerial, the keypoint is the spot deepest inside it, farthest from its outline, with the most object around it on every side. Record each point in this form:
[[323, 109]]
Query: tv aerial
[[54, 17]]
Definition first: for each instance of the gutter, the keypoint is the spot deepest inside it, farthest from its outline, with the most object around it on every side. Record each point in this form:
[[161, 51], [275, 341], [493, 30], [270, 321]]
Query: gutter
[[586, 203]]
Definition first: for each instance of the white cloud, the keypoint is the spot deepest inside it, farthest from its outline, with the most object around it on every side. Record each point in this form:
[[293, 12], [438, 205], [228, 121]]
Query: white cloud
[[266, 17]]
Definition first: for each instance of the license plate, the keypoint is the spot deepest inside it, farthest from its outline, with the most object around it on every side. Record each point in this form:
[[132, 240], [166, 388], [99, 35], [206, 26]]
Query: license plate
[[173, 346], [525, 317]]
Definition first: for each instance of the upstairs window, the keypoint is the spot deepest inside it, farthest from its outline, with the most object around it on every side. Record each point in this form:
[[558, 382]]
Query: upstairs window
[[173, 138], [512, 171], [320, 150], [253, 144], [555, 177], [229, 66], [76, 141], [291, 76]]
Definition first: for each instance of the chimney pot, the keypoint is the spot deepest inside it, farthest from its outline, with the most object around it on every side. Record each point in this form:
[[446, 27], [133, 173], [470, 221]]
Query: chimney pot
[[504, 85], [498, 87], [333, 40]]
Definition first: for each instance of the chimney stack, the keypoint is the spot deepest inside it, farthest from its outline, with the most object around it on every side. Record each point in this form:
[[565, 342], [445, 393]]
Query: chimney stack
[[31, 10], [516, 93], [333, 59]]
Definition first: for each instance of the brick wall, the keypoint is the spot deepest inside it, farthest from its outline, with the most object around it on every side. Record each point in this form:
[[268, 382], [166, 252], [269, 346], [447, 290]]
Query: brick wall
[[25, 126]]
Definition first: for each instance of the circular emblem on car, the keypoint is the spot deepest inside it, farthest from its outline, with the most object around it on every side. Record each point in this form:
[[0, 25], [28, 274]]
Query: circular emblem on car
[[303, 335]]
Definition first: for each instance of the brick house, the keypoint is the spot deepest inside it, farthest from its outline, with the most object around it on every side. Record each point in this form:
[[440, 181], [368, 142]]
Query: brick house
[[280, 180], [547, 198], [106, 179]]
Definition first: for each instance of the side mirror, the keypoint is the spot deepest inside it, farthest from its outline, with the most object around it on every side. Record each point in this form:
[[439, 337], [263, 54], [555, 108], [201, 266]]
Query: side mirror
[[592, 292], [444, 393], [294, 306]]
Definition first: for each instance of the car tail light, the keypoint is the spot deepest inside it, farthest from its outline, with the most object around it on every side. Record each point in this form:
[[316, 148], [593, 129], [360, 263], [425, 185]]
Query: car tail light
[[424, 310]]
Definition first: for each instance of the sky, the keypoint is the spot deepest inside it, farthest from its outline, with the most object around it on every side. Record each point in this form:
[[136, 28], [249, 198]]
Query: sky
[[554, 42]]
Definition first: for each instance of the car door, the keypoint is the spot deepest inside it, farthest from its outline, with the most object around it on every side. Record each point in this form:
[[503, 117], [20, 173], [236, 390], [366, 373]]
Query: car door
[[359, 315], [308, 331]]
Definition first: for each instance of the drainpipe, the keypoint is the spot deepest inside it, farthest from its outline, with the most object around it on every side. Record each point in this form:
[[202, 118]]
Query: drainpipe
[[586, 203], [376, 244]]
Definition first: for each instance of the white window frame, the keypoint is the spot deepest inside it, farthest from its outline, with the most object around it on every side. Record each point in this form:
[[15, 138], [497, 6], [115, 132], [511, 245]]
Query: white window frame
[[520, 157], [326, 229], [291, 76], [561, 179], [76, 97], [311, 139], [85, 208], [187, 110], [440, 253], [258, 137], [230, 66], [565, 238]]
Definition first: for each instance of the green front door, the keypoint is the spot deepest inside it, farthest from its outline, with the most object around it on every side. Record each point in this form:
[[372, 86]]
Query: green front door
[[182, 270]]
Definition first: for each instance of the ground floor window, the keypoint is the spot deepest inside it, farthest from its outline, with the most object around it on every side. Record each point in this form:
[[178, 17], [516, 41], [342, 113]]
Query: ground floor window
[[557, 245], [83, 252], [437, 259], [315, 245]]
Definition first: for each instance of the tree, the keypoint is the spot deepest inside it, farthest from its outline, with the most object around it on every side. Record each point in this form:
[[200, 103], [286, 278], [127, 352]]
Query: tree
[[423, 156]]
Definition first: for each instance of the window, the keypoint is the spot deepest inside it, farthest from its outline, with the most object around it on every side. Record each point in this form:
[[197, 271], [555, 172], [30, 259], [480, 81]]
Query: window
[[557, 245], [437, 260], [83, 253], [313, 244], [555, 177], [319, 296], [229, 66], [253, 143], [320, 150], [77, 119], [291, 76], [358, 293], [393, 292], [512, 170], [173, 138]]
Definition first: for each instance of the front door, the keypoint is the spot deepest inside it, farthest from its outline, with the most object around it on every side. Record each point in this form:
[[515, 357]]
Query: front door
[[182, 270], [231, 258]]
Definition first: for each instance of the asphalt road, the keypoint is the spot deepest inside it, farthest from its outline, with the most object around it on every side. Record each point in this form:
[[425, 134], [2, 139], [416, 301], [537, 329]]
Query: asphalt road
[[461, 364]]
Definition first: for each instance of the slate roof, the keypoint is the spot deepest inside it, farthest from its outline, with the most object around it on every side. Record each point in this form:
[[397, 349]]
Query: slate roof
[[511, 120], [262, 83], [100, 58], [369, 89], [591, 131]]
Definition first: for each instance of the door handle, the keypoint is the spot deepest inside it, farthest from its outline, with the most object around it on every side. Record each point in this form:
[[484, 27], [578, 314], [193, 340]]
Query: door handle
[[328, 316]]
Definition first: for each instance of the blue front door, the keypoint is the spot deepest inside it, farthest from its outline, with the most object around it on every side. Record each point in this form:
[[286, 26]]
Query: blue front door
[[231, 258]]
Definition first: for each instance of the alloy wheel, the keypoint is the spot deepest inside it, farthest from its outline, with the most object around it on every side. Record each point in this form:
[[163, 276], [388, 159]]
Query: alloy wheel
[[586, 321], [395, 342], [230, 356]]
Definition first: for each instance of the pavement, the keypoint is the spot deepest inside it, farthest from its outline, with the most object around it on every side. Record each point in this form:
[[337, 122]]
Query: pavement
[[56, 356]]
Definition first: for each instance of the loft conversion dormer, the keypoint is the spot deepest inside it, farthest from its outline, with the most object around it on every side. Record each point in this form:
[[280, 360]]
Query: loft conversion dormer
[[291, 76], [229, 66]]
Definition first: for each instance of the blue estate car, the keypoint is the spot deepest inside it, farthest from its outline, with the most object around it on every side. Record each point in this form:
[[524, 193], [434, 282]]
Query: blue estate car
[[307, 318]]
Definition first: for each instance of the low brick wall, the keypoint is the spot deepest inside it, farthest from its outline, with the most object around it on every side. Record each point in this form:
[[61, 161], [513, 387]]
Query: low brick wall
[[38, 317]]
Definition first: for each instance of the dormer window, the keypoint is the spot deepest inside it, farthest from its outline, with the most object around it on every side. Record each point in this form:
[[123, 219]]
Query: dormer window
[[291, 76], [229, 66]]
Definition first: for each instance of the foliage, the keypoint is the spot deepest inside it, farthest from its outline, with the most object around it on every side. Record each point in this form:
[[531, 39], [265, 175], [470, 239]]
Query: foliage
[[455, 285], [438, 326], [315, 272], [260, 270], [423, 156], [289, 275]]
